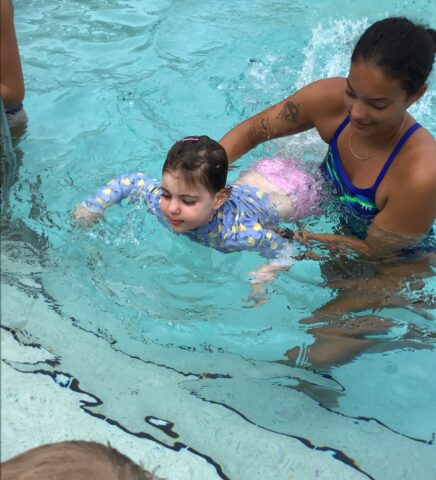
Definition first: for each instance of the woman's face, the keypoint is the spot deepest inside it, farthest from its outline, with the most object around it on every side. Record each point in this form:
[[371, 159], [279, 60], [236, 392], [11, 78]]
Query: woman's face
[[375, 102]]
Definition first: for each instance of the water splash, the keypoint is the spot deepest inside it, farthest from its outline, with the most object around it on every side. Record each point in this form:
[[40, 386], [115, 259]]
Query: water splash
[[329, 49]]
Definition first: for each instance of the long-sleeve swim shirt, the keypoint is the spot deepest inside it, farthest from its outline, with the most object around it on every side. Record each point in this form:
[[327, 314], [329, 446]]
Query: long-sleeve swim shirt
[[243, 222]]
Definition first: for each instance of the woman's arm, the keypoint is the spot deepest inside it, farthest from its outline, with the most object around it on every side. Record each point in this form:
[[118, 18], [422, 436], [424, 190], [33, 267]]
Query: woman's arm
[[340, 242], [316, 105], [11, 74], [379, 242], [410, 208]]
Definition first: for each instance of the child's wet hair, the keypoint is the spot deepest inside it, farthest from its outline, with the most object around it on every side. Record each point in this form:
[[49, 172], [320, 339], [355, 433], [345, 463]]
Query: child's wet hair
[[72, 460], [401, 49], [200, 160]]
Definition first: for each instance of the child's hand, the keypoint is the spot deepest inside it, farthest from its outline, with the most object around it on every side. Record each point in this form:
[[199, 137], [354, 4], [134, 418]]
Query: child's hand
[[260, 278], [85, 216], [258, 293]]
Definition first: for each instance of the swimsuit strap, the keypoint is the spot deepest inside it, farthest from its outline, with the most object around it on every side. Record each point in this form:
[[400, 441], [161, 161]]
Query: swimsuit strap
[[394, 153], [343, 124]]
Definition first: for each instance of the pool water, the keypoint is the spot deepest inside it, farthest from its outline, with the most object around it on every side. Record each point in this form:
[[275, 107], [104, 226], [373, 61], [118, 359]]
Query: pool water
[[134, 335]]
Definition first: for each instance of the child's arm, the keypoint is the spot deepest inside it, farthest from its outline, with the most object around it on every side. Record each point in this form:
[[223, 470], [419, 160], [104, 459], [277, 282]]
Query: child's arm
[[85, 215], [262, 276], [92, 209], [251, 235], [282, 259]]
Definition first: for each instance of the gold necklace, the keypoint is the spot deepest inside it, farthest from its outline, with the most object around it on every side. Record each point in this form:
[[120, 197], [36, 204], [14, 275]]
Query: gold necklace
[[380, 151]]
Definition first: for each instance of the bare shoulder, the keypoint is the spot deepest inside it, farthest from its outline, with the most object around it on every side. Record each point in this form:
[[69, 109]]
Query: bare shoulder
[[413, 173], [331, 87], [416, 186], [420, 160], [319, 104], [327, 93], [324, 100], [411, 200]]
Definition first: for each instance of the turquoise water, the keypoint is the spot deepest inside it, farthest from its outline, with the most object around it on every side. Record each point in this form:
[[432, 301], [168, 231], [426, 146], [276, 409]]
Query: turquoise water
[[109, 87]]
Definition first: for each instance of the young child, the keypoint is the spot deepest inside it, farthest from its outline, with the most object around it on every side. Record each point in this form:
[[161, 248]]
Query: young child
[[193, 199], [73, 460]]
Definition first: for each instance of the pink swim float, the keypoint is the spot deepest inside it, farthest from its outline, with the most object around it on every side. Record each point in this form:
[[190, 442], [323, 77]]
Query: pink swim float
[[291, 179]]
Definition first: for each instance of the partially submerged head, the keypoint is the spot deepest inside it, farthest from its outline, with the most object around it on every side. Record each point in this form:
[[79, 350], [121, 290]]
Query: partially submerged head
[[193, 182], [402, 49]]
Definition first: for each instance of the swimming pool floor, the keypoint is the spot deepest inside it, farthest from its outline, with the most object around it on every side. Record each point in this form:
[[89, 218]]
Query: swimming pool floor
[[166, 418]]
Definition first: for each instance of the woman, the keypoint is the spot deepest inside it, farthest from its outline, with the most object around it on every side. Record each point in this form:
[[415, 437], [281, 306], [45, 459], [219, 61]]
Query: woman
[[383, 167], [381, 162]]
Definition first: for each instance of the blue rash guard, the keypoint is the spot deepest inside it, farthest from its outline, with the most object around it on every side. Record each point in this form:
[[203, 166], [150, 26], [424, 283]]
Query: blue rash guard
[[241, 223]]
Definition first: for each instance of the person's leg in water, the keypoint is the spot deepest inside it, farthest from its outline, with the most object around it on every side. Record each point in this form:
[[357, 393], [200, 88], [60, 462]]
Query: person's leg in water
[[340, 335]]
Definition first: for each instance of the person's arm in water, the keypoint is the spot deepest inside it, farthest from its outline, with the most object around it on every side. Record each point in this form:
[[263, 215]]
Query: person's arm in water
[[265, 274], [405, 219], [11, 74], [276, 248], [315, 106], [116, 190]]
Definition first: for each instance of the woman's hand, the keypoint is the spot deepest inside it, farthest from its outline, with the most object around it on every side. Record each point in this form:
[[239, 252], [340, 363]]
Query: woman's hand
[[302, 236]]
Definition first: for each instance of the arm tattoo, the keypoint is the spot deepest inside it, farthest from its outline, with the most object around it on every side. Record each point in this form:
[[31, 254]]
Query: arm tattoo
[[263, 128], [289, 113]]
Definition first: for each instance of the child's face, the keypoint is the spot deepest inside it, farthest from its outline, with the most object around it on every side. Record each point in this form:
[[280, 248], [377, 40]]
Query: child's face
[[188, 207]]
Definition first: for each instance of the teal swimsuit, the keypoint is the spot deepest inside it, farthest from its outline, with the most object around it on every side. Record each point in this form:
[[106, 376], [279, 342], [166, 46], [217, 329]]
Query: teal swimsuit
[[361, 201]]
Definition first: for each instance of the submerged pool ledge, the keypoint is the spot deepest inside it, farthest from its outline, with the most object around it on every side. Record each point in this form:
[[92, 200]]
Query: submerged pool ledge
[[36, 410], [40, 406]]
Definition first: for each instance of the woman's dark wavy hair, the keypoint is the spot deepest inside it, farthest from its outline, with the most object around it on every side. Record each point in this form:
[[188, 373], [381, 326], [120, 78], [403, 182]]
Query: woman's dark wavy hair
[[401, 48], [200, 160]]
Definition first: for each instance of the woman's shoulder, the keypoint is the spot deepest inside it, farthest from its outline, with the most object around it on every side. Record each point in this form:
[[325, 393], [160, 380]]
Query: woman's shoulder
[[421, 145], [330, 89], [324, 100], [418, 159], [330, 84]]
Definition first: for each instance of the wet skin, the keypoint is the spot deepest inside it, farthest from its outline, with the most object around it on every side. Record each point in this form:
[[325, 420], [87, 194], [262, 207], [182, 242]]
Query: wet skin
[[188, 207]]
